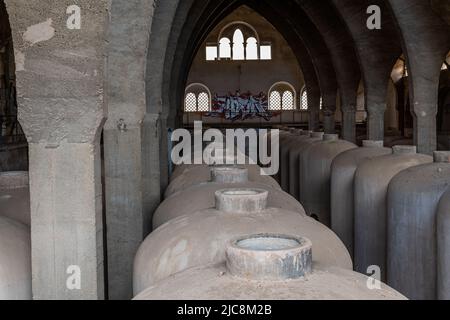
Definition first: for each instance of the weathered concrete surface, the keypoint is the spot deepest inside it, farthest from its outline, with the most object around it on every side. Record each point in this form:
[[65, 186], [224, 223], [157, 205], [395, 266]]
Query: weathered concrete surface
[[343, 171], [255, 266], [178, 244], [201, 197], [412, 208], [426, 42], [315, 175], [61, 72], [128, 212], [66, 220], [371, 183], [156, 120], [269, 257], [443, 248]]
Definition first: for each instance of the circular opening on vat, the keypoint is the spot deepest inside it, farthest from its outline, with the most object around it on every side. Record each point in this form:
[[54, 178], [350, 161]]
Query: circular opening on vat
[[269, 242], [404, 149], [225, 169], [241, 200], [241, 192]]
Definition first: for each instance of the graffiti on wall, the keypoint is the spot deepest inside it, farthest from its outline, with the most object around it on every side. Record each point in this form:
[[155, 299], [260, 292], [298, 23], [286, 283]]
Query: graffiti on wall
[[240, 106]]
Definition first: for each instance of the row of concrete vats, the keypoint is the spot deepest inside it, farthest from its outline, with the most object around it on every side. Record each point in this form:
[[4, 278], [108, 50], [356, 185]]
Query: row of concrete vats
[[227, 232], [390, 207]]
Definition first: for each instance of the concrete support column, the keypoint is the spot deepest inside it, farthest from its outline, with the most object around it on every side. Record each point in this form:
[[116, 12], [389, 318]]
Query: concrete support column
[[151, 164], [349, 123], [66, 221], [126, 214], [375, 121], [425, 134], [426, 34], [314, 120], [61, 104], [314, 107], [329, 123], [164, 151]]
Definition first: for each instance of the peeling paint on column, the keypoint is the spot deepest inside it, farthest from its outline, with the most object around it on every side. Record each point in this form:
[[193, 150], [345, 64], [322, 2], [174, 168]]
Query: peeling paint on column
[[39, 32]]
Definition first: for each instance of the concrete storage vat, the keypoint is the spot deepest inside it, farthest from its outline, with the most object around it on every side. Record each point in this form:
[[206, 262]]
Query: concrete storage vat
[[200, 238], [413, 200], [284, 137], [285, 148], [343, 171], [294, 161], [371, 185], [15, 196], [443, 247], [201, 196], [202, 174], [15, 260], [267, 267], [183, 168], [315, 174]]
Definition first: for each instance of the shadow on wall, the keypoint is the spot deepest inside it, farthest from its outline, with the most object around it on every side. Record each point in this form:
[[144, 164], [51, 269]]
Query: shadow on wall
[[13, 144]]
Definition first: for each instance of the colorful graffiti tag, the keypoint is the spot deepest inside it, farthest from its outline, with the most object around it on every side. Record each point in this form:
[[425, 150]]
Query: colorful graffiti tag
[[240, 106]]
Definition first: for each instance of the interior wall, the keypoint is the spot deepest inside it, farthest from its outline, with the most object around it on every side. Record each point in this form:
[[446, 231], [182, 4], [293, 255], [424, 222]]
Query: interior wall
[[227, 76]]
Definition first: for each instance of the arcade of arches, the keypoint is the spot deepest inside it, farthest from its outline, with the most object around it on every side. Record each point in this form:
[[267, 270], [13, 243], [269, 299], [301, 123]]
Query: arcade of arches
[[94, 106]]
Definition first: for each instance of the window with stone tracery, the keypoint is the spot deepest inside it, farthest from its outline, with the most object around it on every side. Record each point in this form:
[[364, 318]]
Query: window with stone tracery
[[304, 100], [282, 97], [197, 98], [238, 41]]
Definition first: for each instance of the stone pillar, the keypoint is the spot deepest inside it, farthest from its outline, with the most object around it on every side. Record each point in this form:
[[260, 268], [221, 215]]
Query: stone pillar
[[329, 123], [125, 210], [425, 135], [151, 164], [164, 151], [377, 51], [61, 85], [349, 123], [314, 108], [66, 220], [375, 121], [128, 216], [426, 41]]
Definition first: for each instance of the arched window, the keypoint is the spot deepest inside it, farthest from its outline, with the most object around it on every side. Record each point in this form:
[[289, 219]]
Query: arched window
[[282, 96], [238, 45], [288, 100], [275, 101], [304, 105], [245, 44], [203, 102], [304, 100], [252, 49], [225, 48], [190, 102], [197, 98]]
